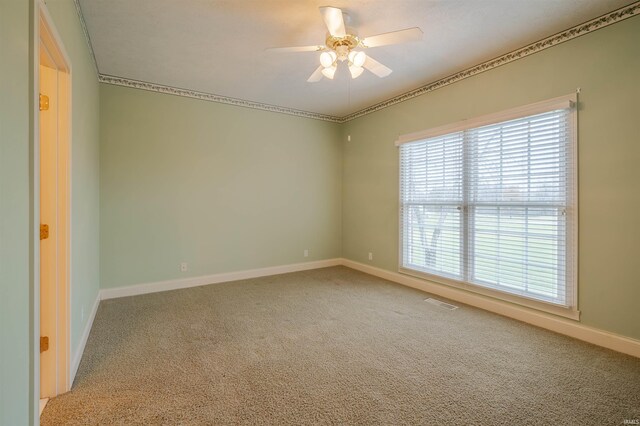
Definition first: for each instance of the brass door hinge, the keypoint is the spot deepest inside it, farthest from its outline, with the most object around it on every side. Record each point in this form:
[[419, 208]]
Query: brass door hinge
[[44, 102], [44, 343], [44, 231]]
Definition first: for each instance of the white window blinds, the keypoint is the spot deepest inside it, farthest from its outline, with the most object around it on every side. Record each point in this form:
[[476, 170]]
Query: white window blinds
[[493, 206]]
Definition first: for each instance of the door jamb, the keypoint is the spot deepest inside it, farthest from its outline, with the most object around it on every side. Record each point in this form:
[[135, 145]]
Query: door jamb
[[45, 32]]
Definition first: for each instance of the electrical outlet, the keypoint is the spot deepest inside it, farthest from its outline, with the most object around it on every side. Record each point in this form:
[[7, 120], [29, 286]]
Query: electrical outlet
[[184, 267], [348, 138], [306, 252], [370, 256]]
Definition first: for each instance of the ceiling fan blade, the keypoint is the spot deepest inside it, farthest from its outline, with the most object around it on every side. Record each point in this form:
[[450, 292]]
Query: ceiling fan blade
[[295, 49], [333, 18], [376, 67], [316, 76], [395, 37]]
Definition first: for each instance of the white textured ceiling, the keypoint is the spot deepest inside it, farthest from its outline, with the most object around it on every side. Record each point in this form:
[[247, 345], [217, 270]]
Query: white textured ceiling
[[217, 46]]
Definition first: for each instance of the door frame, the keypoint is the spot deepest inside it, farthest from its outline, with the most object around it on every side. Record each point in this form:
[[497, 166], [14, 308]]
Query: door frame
[[46, 35]]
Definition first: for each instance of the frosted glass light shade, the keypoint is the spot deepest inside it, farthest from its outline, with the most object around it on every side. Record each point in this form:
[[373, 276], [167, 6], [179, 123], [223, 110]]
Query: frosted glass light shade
[[357, 58], [329, 72], [327, 59], [355, 71]]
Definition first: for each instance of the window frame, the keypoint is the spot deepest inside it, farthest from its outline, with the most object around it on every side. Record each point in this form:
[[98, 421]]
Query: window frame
[[563, 102]]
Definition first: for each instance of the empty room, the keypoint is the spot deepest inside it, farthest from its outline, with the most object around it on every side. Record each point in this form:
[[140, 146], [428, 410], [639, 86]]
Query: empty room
[[367, 212]]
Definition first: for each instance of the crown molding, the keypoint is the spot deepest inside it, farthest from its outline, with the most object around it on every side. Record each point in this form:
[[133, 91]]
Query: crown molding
[[603, 21], [574, 32], [137, 84], [83, 24]]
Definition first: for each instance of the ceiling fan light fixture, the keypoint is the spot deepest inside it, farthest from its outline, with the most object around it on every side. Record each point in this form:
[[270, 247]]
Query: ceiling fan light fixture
[[341, 44], [355, 70], [329, 72], [327, 59], [357, 58]]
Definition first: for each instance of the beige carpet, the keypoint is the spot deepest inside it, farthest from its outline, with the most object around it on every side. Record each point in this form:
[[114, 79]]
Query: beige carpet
[[334, 346]]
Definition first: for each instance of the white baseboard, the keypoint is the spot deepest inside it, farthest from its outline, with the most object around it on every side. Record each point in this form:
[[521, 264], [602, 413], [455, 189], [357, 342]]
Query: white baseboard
[[548, 321], [77, 356], [560, 325], [134, 290]]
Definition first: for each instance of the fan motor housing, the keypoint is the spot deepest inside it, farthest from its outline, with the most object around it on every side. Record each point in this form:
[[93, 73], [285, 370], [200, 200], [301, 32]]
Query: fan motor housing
[[342, 45]]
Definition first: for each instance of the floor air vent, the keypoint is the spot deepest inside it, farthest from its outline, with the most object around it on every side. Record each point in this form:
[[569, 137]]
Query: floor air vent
[[441, 304]]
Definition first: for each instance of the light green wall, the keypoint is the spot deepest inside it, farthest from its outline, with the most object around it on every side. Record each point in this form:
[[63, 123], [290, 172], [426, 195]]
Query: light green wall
[[215, 185], [17, 405], [85, 168], [220, 187], [15, 283], [226, 188], [606, 65]]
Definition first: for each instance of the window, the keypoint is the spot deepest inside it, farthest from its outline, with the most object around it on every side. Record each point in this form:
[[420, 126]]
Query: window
[[489, 205]]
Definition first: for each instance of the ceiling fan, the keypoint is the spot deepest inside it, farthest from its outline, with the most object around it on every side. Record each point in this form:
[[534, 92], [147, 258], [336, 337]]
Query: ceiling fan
[[343, 44]]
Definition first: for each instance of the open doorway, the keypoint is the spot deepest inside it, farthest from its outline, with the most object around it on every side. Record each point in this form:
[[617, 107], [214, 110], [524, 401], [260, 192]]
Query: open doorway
[[54, 119]]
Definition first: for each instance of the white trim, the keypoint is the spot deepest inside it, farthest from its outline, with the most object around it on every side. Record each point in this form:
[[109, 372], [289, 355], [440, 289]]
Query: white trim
[[575, 215], [561, 102], [43, 403], [77, 357], [211, 97], [568, 102], [46, 35], [554, 323], [551, 322], [603, 21], [567, 312], [54, 35], [112, 293], [34, 160]]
